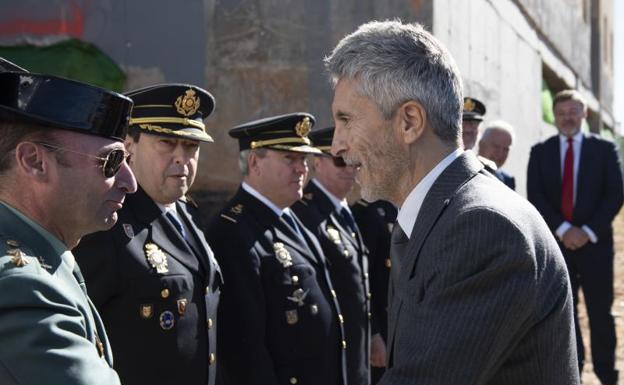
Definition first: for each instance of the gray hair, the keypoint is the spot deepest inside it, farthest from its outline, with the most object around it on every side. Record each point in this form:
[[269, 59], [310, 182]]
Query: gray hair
[[500, 125], [394, 63], [243, 159]]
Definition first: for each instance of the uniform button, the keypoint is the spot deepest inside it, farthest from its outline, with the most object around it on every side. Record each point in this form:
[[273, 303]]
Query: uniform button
[[353, 235], [370, 315], [346, 253], [211, 359], [344, 344], [209, 323], [368, 295], [388, 263], [164, 293], [295, 279], [333, 293], [340, 318], [207, 289], [365, 275], [293, 380]]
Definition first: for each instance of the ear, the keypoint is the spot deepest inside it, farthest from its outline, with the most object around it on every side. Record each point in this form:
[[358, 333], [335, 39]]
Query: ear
[[31, 160], [252, 163], [412, 118]]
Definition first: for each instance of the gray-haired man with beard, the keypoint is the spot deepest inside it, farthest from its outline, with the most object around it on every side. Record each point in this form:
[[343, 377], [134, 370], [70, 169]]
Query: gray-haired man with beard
[[480, 292]]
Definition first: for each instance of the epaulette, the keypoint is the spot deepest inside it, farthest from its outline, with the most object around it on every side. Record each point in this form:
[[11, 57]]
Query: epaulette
[[189, 199], [308, 196], [19, 256], [233, 211]]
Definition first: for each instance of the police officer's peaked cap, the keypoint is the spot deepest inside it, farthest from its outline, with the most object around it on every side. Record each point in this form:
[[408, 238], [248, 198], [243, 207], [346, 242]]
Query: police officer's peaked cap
[[55, 102], [284, 132], [473, 109], [322, 139], [175, 110]]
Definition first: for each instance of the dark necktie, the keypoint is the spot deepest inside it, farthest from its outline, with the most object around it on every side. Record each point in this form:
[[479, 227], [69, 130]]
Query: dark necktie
[[348, 218], [567, 183], [176, 223], [398, 246], [293, 224]]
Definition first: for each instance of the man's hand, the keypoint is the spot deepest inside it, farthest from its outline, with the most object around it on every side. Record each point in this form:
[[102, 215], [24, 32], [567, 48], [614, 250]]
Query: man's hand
[[378, 351], [574, 238]]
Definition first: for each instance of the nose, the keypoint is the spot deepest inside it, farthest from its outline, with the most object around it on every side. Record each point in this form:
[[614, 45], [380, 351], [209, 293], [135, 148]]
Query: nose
[[338, 146], [301, 166], [125, 179]]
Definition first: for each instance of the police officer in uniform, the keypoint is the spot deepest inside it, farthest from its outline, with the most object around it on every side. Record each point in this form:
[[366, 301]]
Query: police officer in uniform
[[324, 211], [375, 221], [471, 120], [63, 174], [153, 276], [280, 321]]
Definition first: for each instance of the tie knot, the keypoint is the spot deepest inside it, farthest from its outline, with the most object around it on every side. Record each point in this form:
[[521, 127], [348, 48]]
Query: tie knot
[[570, 140]]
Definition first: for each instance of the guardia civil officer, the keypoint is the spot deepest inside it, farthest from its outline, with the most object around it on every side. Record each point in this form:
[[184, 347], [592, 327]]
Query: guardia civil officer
[[62, 175], [279, 319], [324, 211], [153, 276]]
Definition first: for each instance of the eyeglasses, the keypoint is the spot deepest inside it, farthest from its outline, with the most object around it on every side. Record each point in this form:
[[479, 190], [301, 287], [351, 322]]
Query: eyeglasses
[[111, 163]]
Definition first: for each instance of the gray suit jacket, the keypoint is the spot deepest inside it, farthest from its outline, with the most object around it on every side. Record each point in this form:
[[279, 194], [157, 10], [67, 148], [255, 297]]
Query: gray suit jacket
[[481, 295]]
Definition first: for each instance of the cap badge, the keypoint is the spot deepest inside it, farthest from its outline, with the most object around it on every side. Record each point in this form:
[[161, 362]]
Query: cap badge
[[282, 255], [303, 127], [469, 105], [188, 103], [156, 258]]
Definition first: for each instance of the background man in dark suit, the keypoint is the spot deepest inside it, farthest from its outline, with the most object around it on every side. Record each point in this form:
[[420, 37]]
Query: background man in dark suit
[[153, 276], [324, 211], [279, 320], [375, 221], [575, 181], [63, 175], [480, 292], [494, 145]]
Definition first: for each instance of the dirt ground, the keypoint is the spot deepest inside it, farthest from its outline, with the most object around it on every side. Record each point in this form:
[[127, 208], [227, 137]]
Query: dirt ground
[[618, 307]]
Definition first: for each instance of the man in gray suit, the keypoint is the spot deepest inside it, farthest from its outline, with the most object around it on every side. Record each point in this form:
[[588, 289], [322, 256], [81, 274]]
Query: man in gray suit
[[479, 289]]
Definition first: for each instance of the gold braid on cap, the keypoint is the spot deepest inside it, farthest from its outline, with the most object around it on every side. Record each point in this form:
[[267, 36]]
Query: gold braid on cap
[[269, 142], [167, 119]]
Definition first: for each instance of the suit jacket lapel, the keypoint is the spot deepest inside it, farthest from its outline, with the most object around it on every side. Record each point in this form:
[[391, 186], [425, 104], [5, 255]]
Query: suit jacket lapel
[[552, 150], [162, 231], [584, 169]]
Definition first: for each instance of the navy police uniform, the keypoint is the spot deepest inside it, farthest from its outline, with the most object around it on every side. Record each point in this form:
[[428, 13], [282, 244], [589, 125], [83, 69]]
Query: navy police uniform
[[347, 258], [375, 221], [279, 317], [50, 333], [156, 284]]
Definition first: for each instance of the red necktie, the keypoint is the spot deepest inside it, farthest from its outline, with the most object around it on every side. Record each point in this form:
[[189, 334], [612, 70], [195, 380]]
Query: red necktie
[[567, 183]]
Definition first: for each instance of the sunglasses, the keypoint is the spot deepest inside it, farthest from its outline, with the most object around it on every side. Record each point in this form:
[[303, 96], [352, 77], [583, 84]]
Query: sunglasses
[[111, 163]]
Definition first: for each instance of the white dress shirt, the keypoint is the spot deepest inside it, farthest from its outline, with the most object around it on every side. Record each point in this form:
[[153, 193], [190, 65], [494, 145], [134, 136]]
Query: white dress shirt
[[411, 207]]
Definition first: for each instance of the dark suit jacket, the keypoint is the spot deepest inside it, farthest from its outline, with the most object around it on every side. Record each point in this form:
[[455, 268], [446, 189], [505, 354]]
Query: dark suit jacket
[[278, 313], [136, 301], [507, 179], [348, 267], [376, 221], [598, 188], [482, 294]]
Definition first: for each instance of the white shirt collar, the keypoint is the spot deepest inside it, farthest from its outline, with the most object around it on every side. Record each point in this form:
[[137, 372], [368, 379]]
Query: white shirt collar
[[338, 204], [411, 207], [577, 138], [262, 199]]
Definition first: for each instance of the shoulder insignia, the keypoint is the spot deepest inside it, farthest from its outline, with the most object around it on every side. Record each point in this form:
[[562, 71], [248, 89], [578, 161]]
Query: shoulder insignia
[[362, 202], [43, 264], [18, 257], [189, 200], [156, 258], [308, 196], [12, 243], [238, 209], [229, 218], [303, 202], [282, 255]]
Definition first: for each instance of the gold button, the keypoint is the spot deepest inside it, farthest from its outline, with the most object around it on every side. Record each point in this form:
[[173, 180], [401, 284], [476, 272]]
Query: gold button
[[344, 344], [340, 318], [164, 293], [346, 253], [207, 289], [388, 263], [333, 293], [293, 380], [295, 279], [209, 323], [211, 359], [368, 295]]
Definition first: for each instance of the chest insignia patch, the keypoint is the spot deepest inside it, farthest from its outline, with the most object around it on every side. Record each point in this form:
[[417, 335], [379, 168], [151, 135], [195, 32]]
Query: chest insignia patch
[[333, 234], [156, 258], [282, 255], [298, 296]]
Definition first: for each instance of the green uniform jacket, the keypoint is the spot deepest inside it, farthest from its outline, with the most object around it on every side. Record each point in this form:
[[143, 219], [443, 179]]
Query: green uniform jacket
[[50, 332]]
